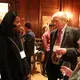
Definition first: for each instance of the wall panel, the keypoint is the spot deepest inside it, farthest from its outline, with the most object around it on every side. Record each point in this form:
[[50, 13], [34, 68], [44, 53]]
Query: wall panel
[[33, 10], [48, 7], [73, 7], [33, 16]]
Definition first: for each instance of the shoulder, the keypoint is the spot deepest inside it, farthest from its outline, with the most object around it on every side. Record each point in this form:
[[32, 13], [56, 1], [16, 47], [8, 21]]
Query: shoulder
[[45, 33], [72, 28], [31, 34], [53, 32]]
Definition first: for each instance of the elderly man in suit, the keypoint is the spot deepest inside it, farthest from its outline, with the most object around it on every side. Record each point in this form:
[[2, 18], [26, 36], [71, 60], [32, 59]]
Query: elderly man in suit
[[63, 46]]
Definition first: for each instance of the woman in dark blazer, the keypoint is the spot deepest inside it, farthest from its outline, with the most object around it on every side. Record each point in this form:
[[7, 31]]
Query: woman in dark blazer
[[13, 63]]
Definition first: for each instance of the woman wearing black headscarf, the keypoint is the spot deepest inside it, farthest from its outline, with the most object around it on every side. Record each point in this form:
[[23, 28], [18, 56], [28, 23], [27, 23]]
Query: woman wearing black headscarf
[[13, 63]]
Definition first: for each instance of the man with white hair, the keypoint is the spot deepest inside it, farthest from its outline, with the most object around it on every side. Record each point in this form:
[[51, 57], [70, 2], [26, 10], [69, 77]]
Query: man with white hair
[[63, 46]]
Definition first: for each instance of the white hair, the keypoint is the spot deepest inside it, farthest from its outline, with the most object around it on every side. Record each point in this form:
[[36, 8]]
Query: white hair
[[61, 15]]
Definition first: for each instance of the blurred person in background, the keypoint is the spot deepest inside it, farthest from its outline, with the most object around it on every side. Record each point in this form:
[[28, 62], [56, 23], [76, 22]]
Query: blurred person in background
[[46, 44], [44, 29], [29, 40], [21, 34], [22, 31]]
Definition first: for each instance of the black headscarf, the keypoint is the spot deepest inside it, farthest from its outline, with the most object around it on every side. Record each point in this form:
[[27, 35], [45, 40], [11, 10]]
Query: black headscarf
[[7, 23]]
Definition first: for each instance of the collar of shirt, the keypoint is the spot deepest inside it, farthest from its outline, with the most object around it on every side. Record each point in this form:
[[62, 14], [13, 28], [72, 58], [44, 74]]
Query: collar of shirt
[[63, 30]]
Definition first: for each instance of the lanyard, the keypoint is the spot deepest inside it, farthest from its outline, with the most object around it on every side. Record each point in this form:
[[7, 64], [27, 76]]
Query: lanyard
[[14, 43], [22, 53]]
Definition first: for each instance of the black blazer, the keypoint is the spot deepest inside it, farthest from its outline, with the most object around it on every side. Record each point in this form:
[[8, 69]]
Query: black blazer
[[70, 38], [11, 65]]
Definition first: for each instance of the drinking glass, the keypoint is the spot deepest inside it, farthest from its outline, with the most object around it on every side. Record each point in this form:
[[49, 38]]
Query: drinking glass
[[66, 64], [57, 48]]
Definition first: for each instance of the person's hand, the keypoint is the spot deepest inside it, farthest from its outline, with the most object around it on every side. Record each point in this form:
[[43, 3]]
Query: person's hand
[[65, 70], [78, 41], [61, 51], [78, 65]]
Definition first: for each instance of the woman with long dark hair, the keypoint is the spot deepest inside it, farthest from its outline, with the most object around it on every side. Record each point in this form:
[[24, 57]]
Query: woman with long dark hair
[[13, 63]]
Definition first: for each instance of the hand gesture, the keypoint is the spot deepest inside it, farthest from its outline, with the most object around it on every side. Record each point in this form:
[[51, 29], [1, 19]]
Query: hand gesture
[[65, 70], [60, 51]]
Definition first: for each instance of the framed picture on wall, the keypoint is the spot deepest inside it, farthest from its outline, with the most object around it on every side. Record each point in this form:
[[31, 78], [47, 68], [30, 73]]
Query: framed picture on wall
[[46, 20], [45, 23]]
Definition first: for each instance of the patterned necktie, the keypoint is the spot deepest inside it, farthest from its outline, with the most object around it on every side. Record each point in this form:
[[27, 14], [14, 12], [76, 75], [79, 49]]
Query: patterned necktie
[[58, 37]]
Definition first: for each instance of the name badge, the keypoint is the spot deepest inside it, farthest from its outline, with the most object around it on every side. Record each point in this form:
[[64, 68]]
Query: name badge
[[22, 54]]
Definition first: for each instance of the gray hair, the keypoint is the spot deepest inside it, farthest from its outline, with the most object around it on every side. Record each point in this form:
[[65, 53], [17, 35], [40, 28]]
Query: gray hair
[[60, 15]]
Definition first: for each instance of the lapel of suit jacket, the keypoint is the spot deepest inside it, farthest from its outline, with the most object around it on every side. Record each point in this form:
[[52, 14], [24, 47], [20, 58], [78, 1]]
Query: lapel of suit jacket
[[53, 39], [65, 36]]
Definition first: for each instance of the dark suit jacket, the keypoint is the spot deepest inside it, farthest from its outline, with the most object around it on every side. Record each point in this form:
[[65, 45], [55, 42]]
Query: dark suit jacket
[[70, 38], [29, 43]]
